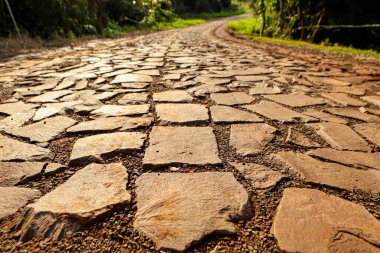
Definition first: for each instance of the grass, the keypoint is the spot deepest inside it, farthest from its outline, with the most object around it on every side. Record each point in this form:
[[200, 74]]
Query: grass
[[178, 23], [250, 27]]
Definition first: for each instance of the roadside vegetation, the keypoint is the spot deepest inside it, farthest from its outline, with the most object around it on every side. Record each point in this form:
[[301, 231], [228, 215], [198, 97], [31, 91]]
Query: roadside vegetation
[[251, 27]]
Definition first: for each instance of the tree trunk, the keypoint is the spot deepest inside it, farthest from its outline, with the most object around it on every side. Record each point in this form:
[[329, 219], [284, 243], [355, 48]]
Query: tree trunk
[[263, 8]]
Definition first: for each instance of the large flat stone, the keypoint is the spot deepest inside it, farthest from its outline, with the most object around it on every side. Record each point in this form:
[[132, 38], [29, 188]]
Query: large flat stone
[[90, 149], [354, 114], [232, 98], [14, 173], [120, 110], [261, 177], [172, 96], [350, 158], [279, 113], [88, 195], [17, 107], [371, 131], [300, 139], [14, 150], [309, 220], [227, 114], [16, 120], [45, 130], [204, 89], [295, 100], [132, 78], [331, 174], [14, 198], [177, 210], [341, 137], [372, 99], [181, 145], [182, 113], [250, 139], [134, 98], [50, 96], [264, 90], [110, 124], [343, 99], [324, 116]]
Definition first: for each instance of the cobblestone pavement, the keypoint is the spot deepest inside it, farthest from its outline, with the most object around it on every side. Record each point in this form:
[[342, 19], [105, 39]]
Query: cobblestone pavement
[[189, 140]]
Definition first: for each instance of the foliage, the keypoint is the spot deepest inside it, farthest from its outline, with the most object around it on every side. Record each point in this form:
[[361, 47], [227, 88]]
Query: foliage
[[245, 27], [307, 20]]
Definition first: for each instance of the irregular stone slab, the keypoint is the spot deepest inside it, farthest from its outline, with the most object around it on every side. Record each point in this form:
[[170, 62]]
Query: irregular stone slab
[[14, 150], [50, 97], [90, 149], [132, 78], [343, 99], [14, 198], [182, 113], [252, 78], [354, 114], [331, 174], [206, 79], [264, 90], [89, 194], [279, 113], [358, 91], [18, 107], [295, 100], [173, 77], [232, 98], [13, 173], [372, 99], [16, 120], [300, 139], [136, 86], [226, 114], [341, 137], [181, 145], [250, 139], [110, 124], [204, 89], [172, 96], [324, 116], [45, 130], [79, 95], [327, 81], [369, 110], [65, 84], [45, 112], [133, 98], [371, 131], [261, 177], [309, 220], [351, 158], [176, 210], [120, 110], [148, 72]]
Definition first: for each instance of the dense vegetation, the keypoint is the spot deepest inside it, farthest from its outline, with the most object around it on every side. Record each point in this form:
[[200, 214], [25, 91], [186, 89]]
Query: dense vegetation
[[49, 18], [321, 21]]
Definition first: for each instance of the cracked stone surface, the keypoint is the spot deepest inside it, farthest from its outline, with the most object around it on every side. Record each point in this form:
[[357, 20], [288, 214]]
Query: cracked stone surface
[[14, 150], [172, 96], [371, 131], [309, 220], [91, 149], [179, 145], [261, 177], [182, 113], [331, 174], [120, 110], [277, 112], [227, 114], [88, 194], [341, 137], [13, 173], [344, 99], [250, 139], [177, 210], [232, 98], [295, 100], [45, 130], [14, 198]]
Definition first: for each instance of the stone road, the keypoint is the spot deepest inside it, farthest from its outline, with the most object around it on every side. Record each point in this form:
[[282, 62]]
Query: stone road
[[189, 140]]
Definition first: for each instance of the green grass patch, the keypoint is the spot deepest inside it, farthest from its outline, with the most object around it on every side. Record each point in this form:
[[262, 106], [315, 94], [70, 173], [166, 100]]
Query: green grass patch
[[250, 28], [177, 23], [212, 15]]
